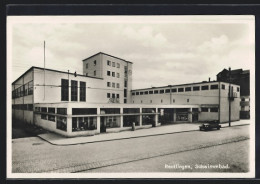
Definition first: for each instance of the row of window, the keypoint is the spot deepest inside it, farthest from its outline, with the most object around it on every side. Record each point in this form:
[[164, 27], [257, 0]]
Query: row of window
[[117, 85], [173, 101], [114, 64], [24, 90], [113, 95], [113, 74], [186, 89], [28, 107], [74, 90], [213, 109]]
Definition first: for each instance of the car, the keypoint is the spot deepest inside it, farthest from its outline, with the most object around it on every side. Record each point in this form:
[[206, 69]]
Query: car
[[210, 125]]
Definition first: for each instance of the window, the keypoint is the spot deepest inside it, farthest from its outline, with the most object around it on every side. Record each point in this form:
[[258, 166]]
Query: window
[[51, 117], [95, 63], [108, 95], [117, 95], [62, 111], [113, 64], [125, 84], [118, 65], [86, 74], [146, 92], [137, 93], [74, 90], [223, 86], [26, 87], [196, 88], [204, 110], [95, 73], [174, 90], [82, 91], [113, 74], [173, 100], [108, 73], [180, 89], [117, 85], [167, 91], [215, 109], [215, 86], [141, 101], [108, 62], [237, 89], [113, 95], [188, 100], [155, 91], [108, 84], [133, 93], [21, 91], [161, 91], [125, 93], [205, 87], [30, 107], [188, 89], [150, 92], [44, 110], [64, 90], [30, 88], [161, 100], [151, 101], [87, 65], [62, 123], [117, 75], [125, 101], [113, 85], [141, 93]]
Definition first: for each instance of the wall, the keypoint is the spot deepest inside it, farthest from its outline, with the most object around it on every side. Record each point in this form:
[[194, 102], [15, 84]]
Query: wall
[[91, 67]]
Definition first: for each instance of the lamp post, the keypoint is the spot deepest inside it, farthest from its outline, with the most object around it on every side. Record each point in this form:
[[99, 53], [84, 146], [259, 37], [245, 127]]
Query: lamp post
[[229, 99]]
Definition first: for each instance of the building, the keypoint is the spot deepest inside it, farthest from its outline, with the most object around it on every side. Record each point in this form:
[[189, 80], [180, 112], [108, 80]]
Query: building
[[241, 78], [210, 97], [102, 100]]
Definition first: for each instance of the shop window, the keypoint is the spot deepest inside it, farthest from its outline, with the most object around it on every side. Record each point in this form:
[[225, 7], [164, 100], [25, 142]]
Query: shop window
[[83, 124], [64, 90], [82, 91], [188, 89], [196, 88], [180, 89], [61, 123], [44, 110], [204, 110], [52, 111], [84, 111], [205, 87], [74, 90], [215, 86]]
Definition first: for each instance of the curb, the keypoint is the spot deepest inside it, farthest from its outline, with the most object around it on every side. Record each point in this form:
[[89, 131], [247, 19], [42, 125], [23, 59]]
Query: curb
[[134, 137]]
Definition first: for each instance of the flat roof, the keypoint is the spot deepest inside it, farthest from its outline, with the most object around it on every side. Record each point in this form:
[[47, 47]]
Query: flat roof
[[35, 67], [107, 55], [169, 86]]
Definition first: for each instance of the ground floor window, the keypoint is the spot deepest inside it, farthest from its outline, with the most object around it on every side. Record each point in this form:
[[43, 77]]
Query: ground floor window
[[62, 123], [51, 117], [182, 117], [128, 121], [148, 119], [44, 110], [112, 121], [84, 123]]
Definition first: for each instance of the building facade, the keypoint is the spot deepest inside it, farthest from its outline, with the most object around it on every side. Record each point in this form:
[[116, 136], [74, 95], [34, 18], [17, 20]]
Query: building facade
[[241, 78], [102, 100]]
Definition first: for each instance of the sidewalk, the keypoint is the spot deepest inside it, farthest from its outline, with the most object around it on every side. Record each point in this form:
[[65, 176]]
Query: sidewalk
[[56, 139]]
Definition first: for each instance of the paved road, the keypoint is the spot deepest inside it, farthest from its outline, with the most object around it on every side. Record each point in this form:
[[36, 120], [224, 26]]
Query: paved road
[[35, 155]]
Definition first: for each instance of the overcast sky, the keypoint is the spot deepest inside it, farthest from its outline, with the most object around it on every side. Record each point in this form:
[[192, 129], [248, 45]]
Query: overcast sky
[[164, 49]]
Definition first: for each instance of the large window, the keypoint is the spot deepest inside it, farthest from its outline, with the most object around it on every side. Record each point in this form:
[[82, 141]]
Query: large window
[[30, 88], [196, 88], [204, 87], [64, 90], [51, 117], [82, 124], [162, 91], [188, 89], [74, 90], [215, 109], [82, 91], [62, 123], [215, 86], [62, 111], [204, 109], [167, 91], [180, 89], [174, 90], [44, 110]]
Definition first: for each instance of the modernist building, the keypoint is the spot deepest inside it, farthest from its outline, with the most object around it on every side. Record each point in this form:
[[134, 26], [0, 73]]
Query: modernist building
[[102, 100], [241, 78]]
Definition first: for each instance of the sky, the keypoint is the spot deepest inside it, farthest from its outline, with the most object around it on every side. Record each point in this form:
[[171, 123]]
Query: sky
[[165, 50]]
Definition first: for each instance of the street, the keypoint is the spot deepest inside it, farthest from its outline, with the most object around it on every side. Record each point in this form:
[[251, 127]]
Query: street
[[225, 150]]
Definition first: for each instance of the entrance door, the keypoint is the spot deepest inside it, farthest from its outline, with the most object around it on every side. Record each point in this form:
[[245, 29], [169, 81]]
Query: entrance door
[[102, 125], [195, 117]]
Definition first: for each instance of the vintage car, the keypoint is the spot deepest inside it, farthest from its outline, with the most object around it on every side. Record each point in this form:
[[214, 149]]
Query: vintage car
[[210, 125]]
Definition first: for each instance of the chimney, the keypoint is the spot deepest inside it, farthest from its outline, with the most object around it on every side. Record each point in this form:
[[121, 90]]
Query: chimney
[[209, 79]]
